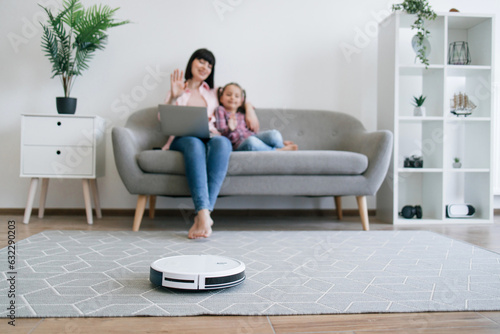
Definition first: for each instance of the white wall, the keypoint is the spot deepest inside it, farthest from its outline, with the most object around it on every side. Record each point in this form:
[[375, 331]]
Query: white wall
[[293, 53]]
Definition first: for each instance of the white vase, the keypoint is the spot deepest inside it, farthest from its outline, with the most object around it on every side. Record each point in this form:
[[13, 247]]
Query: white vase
[[457, 165], [419, 111], [416, 47]]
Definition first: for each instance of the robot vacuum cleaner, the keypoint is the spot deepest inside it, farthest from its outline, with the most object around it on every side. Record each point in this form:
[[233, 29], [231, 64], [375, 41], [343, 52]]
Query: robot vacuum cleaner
[[197, 272]]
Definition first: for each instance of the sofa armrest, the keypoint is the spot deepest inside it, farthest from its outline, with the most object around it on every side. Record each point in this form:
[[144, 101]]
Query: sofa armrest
[[377, 146], [125, 150]]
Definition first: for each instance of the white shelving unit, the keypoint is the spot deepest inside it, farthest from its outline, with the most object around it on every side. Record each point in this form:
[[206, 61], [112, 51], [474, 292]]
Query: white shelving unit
[[439, 136]]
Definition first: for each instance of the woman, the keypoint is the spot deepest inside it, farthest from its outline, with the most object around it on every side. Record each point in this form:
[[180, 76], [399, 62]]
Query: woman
[[206, 160]]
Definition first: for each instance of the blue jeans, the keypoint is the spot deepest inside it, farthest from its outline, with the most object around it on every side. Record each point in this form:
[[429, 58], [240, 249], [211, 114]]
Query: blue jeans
[[206, 163], [262, 141]]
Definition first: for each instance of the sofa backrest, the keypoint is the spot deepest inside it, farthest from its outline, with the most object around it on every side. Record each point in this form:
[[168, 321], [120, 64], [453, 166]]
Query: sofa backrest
[[310, 129]]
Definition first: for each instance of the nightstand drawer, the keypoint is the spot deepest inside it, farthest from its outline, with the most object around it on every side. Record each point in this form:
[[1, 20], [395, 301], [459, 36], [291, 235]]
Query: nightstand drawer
[[68, 131], [65, 161]]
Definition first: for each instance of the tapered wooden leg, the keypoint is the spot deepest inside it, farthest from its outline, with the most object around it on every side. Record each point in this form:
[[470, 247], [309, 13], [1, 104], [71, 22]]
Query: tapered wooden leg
[[363, 212], [29, 202], [88, 202], [152, 206], [43, 197], [338, 206], [97, 201], [139, 212]]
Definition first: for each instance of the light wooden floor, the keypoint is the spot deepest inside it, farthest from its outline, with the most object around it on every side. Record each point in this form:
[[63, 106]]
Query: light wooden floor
[[487, 236]]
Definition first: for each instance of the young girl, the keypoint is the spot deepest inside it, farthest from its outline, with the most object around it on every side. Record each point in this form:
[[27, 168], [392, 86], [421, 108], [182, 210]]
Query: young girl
[[230, 122]]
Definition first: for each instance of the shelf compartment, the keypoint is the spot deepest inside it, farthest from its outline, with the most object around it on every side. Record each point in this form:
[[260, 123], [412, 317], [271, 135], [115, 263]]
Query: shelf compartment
[[469, 188], [407, 55], [414, 81], [476, 83], [476, 31], [422, 189], [469, 141], [421, 138]]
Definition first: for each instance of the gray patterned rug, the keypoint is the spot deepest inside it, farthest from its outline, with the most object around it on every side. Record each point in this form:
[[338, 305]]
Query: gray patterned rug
[[106, 274]]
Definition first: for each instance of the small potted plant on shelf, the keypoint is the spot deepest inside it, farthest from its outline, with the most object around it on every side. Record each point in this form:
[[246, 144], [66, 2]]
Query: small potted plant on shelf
[[418, 102], [423, 11], [70, 38], [457, 163]]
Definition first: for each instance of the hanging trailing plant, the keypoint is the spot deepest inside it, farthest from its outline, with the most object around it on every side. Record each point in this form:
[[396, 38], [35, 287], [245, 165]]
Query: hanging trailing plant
[[423, 11]]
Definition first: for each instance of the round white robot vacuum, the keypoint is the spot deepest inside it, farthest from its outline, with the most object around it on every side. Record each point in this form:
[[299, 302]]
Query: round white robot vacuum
[[197, 272]]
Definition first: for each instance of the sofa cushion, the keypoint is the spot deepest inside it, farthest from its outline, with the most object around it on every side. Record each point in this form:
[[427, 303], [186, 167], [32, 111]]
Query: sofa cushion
[[265, 163]]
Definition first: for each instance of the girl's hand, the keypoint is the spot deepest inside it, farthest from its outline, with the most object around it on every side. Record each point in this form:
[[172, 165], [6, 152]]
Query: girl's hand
[[166, 147], [177, 84], [251, 118]]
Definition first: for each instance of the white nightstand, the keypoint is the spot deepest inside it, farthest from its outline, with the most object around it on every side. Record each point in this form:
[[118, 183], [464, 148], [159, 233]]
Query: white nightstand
[[62, 146]]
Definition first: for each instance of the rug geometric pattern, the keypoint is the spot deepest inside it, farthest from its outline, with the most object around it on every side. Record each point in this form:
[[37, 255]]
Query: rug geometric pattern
[[106, 274]]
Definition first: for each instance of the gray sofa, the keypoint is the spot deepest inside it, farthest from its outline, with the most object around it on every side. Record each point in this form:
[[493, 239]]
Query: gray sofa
[[337, 157]]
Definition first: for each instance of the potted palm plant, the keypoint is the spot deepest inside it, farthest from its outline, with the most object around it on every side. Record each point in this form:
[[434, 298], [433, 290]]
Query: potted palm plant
[[70, 38], [418, 103]]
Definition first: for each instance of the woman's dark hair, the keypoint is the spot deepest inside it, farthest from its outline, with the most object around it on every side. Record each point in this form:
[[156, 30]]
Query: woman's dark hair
[[205, 55], [221, 90]]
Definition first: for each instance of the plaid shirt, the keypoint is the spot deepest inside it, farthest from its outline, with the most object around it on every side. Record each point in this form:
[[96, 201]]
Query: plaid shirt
[[236, 136]]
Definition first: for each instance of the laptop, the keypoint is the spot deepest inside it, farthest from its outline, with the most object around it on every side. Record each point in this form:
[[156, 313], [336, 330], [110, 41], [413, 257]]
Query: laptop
[[184, 120]]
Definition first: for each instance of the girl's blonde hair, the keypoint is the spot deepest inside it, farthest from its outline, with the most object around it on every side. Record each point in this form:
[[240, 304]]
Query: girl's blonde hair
[[221, 90]]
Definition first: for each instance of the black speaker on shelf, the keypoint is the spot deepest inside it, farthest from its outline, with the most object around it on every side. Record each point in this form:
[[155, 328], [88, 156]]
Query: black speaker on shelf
[[409, 211]]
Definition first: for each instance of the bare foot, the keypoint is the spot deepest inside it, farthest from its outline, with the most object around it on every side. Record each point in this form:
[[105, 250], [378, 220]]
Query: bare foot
[[288, 142], [291, 147], [202, 227]]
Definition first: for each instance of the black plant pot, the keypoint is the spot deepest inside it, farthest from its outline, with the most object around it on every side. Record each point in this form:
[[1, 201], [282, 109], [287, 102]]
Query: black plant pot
[[66, 105]]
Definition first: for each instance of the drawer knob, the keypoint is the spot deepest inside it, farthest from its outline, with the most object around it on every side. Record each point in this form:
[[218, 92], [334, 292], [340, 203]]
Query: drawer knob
[[58, 123], [58, 152]]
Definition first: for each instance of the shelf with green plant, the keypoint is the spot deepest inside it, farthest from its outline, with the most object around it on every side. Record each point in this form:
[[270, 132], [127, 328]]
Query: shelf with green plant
[[71, 37], [429, 84]]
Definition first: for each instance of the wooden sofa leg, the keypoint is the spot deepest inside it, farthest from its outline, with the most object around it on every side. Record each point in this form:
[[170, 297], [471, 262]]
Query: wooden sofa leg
[[152, 206], [363, 212], [338, 206], [139, 212]]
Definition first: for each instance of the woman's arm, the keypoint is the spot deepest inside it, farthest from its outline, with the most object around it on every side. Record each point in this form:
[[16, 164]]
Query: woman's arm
[[251, 118]]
